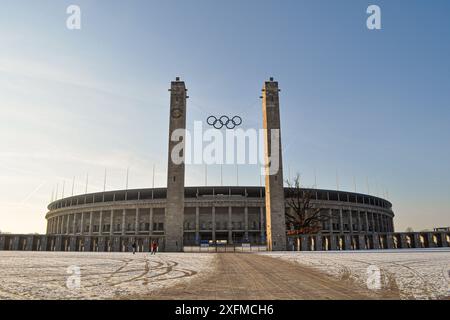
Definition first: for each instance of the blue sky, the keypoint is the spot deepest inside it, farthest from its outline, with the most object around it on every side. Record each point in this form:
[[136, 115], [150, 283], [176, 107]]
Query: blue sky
[[360, 104]]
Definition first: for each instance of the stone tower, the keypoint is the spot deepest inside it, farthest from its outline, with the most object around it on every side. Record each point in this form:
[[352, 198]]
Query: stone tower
[[175, 169], [275, 205]]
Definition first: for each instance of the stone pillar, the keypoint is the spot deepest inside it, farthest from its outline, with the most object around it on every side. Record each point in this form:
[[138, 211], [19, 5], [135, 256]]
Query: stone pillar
[[101, 244], [64, 224], [373, 223], [58, 243], [261, 225], [74, 223], [417, 242], [3, 241], [347, 242], [319, 243], [197, 225], [111, 223], [431, 243], [213, 222], [176, 168], [444, 240], [376, 241], [304, 241], [362, 242], [330, 213], [367, 221], [87, 244], [333, 244], [389, 241], [116, 244], [275, 204], [136, 222], [359, 221], [246, 223], [146, 244], [151, 222], [403, 241], [124, 221], [341, 221], [67, 223], [43, 243], [91, 216], [100, 224], [350, 218], [82, 223], [73, 243], [230, 225]]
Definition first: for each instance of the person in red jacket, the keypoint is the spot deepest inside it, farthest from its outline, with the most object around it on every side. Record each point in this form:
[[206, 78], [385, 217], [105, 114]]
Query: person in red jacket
[[154, 247]]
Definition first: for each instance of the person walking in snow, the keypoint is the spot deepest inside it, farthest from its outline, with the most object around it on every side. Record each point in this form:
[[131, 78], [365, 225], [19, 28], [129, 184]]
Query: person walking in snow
[[154, 247]]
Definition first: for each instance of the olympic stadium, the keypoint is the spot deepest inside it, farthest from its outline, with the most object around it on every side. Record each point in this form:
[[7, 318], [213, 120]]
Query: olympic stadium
[[228, 215], [183, 218]]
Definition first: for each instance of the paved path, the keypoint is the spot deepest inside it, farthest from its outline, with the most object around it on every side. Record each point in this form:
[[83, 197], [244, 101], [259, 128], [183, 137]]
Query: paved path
[[256, 277]]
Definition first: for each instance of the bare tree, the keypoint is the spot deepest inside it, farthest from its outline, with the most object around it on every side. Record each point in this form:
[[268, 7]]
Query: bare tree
[[303, 218]]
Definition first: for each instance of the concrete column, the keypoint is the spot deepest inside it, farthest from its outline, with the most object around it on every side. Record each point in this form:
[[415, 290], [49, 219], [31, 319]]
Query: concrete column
[[246, 223], [101, 244], [350, 217], [91, 216], [213, 222], [151, 221], [319, 242], [362, 242], [359, 221], [174, 216], [87, 244], [347, 242], [100, 225], [430, 240], [63, 224], [417, 242], [304, 245], [376, 241], [373, 223], [74, 223], [333, 244], [367, 221], [330, 212], [59, 225], [124, 213], [136, 222], [444, 239], [111, 223], [82, 223], [197, 225], [58, 243], [67, 221], [389, 241], [403, 241], [230, 225], [262, 225], [56, 225], [341, 221], [275, 204]]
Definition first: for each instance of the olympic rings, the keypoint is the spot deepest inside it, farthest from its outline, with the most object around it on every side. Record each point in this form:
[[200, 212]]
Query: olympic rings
[[224, 121]]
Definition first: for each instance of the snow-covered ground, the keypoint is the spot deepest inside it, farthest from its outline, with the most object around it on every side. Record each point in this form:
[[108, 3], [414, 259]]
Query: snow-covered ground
[[412, 273], [54, 275]]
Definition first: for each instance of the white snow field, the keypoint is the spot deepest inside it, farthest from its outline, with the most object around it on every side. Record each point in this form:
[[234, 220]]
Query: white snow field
[[53, 275], [412, 273]]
